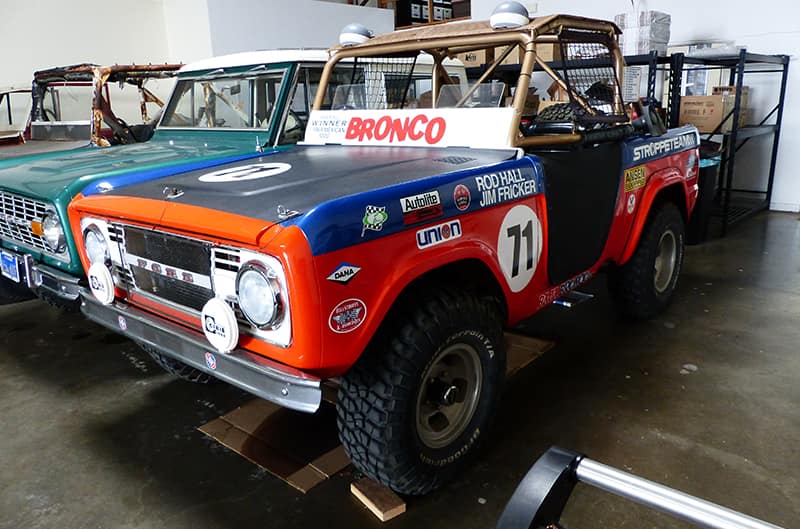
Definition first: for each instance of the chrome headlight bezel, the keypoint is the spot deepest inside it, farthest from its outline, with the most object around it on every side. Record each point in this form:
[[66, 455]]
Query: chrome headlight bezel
[[94, 230], [275, 295], [53, 232]]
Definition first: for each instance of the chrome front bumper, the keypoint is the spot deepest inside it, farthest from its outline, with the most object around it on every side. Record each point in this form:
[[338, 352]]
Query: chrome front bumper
[[255, 374], [41, 278]]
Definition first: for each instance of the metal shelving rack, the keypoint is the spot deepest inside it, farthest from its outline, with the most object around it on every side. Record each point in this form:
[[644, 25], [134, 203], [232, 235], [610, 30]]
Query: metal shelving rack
[[734, 204]]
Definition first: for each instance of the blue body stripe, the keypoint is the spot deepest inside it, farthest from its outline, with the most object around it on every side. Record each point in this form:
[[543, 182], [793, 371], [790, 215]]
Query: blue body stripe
[[338, 223], [127, 179]]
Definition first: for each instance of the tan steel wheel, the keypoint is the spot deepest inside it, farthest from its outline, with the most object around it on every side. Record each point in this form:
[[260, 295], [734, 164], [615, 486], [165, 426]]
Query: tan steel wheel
[[666, 258], [448, 395]]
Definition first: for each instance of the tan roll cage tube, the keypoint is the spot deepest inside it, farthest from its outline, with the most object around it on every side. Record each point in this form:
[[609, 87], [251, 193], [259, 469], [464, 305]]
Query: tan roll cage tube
[[449, 46]]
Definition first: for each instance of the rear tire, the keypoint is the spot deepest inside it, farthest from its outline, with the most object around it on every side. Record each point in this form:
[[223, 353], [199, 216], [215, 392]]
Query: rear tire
[[419, 401], [643, 287], [11, 292], [178, 368]]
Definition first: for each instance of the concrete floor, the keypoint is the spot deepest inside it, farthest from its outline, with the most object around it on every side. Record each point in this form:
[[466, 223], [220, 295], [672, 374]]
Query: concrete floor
[[95, 435]]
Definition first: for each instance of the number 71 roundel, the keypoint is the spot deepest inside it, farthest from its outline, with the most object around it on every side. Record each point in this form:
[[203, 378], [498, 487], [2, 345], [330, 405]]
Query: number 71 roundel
[[519, 245]]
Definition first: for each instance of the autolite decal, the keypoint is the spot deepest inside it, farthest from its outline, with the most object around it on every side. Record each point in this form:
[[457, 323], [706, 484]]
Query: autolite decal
[[421, 207], [433, 235], [347, 316], [417, 128]]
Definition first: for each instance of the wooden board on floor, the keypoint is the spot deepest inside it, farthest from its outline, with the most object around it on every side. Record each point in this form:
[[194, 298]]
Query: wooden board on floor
[[304, 450], [379, 499], [522, 350]]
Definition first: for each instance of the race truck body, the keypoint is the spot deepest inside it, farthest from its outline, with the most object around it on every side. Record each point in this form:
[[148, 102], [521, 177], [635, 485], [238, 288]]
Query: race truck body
[[390, 250], [222, 109]]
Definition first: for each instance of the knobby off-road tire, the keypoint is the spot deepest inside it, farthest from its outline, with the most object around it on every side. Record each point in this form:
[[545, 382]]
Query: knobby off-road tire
[[178, 368], [418, 403], [644, 286], [11, 292], [557, 112]]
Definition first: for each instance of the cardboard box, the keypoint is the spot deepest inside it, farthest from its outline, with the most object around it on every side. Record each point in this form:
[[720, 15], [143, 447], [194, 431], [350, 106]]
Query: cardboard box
[[471, 59], [549, 52], [707, 112]]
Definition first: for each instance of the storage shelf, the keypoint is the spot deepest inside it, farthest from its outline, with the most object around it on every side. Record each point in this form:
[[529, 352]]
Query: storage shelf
[[732, 208]]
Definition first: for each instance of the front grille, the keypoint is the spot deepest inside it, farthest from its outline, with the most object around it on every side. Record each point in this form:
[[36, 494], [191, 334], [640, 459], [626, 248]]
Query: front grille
[[171, 289], [169, 250], [16, 215], [161, 252]]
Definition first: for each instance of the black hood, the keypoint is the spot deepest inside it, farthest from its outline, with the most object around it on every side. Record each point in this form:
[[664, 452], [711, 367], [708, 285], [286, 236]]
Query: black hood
[[306, 176]]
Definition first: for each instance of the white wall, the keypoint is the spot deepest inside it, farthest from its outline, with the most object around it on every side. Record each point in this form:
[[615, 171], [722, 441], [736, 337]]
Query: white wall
[[187, 30], [770, 27], [42, 34], [240, 25]]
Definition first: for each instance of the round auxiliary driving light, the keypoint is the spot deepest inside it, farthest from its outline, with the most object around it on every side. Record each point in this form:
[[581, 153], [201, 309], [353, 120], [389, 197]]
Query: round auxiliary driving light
[[54, 233], [101, 283], [355, 33], [259, 296], [509, 15], [96, 246]]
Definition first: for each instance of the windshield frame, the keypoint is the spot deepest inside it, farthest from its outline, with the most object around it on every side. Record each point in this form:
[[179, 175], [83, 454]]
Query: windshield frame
[[276, 113]]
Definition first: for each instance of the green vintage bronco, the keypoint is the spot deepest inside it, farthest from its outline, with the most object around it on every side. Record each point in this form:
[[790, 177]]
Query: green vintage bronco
[[222, 109]]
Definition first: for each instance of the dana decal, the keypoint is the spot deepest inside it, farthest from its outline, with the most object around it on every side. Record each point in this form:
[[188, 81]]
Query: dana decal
[[344, 273], [398, 129], [438, 234], [347, 316], [422, 207], [502, 186]]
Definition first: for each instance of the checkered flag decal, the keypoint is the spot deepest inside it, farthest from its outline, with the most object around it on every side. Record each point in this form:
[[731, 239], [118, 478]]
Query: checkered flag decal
[[374, 217]]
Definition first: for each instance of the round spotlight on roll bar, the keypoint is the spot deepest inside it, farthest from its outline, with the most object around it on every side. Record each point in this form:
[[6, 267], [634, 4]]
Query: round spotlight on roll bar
[[355, 33], [509, 15]]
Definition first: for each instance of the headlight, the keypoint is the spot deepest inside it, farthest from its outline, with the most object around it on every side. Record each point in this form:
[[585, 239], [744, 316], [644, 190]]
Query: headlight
[[96, 246], [54, 233], [259, 295]]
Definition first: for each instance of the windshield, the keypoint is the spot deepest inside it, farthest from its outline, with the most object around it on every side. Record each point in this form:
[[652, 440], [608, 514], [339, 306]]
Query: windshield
[[233, 102]]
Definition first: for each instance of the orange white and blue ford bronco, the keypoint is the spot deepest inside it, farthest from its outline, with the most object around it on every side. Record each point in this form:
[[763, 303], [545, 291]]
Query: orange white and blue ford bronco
[[388, 252]]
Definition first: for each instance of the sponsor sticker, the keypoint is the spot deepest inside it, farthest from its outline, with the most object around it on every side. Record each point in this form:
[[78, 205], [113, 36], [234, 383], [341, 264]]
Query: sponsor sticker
[[123, 325], [631, 203], [635, 178], [664, 147], [211, 361], [551, 295], [502, 186], [462, 197], [519, 246], [421, 207], [347, 316], [245, 172], [441, 233], [388, 128], [344, 273], [374, 217]]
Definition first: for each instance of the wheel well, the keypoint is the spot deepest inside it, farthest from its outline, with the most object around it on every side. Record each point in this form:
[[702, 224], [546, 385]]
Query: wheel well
[[672, 193], [471, 274]]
